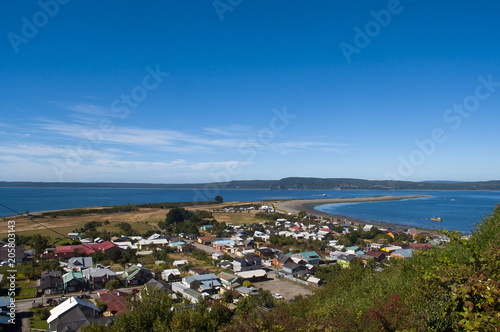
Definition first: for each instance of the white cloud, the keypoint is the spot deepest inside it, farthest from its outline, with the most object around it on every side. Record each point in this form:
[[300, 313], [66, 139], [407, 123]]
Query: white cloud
[[231, 130]]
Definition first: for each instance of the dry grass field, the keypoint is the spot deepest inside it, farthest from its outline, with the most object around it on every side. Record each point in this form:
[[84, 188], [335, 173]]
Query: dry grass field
[[142, 220]]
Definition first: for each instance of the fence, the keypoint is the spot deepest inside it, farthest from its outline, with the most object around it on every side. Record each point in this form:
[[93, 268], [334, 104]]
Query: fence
[[289, 277]]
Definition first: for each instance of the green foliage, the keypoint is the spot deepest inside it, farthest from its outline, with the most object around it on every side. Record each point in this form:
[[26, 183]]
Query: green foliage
[[151, 314], [218, 199], [100, 305], [82, 212], [270, 216], [39, 243], [112, 284], [456, 288], [125, 228], [201, 256]]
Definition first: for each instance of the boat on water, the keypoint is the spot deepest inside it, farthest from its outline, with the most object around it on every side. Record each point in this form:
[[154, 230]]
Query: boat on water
[[324, 195], [436, 219]]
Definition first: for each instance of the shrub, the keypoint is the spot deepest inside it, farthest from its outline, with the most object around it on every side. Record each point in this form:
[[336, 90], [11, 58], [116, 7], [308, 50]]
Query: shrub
[[112, 284]]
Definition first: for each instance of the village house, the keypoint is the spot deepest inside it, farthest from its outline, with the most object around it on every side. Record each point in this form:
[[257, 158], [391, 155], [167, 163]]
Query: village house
[[180, 262], [206, 240], [197, 272], [115, 301], [73, 282], [205, 283], [171, 275], [71, 314], [49, 285], [345, 260], [280, 259], [314, 282], [18, 254], [292, 268], [87, 249], [378, 256], [229, 281], [247, 263], [310, 257], [79, 263], [162, 286], [97, 277], [264, 252], [244, 251], [402, 253], [136, 275], [253, 275]]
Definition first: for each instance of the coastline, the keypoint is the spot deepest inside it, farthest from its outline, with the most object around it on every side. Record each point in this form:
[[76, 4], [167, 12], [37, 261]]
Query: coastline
[[307, 205]]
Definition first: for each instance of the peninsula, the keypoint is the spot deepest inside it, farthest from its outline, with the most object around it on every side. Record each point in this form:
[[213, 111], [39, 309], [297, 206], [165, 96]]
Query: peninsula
[[307, 205]]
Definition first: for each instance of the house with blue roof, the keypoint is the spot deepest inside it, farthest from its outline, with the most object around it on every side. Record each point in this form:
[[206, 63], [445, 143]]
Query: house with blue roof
[[204, 283], [5, 303], [402, 253]]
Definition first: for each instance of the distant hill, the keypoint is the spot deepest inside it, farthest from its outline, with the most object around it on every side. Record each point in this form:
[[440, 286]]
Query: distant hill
[[290, 183]]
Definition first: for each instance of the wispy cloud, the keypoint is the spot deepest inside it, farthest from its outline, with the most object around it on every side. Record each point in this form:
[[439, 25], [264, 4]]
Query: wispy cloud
[[231, 130]]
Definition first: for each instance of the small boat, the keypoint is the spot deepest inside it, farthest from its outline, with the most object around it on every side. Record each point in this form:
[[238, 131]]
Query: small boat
[[436, 219], [324, 195]]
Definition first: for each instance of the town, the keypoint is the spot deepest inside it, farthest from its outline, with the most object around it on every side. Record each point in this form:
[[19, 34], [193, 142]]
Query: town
[[94, 276]]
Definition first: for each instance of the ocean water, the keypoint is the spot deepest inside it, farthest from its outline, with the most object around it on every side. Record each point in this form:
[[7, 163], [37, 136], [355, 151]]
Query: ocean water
[[460, 210]]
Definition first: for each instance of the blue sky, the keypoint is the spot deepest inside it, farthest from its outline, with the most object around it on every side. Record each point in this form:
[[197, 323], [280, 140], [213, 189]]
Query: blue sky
[[202, 91]]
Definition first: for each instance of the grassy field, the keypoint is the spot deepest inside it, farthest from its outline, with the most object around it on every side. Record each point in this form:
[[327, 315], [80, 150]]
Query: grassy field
[[27, 289], [141, 221], [36, 322]]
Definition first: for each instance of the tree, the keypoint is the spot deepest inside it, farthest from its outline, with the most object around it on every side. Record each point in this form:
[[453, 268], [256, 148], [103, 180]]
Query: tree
[[153, 313], [39, 243], [219, 199], [112, 284], [175, 216], [101, 306]]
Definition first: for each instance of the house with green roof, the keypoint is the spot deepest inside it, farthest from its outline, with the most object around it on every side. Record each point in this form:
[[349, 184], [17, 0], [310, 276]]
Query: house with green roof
[[136, 275], [311, 257], [73, 282]]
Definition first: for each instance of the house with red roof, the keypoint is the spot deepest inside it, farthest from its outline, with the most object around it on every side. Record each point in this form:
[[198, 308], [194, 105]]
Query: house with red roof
[[87, 249], [116, 302], [378, 256]]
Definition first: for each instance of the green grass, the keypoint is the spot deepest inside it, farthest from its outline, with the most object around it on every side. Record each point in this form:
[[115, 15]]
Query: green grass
[[36, 322], [27, 289]]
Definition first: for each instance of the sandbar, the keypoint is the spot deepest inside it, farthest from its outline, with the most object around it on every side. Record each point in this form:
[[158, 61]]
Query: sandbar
[[307, 205]]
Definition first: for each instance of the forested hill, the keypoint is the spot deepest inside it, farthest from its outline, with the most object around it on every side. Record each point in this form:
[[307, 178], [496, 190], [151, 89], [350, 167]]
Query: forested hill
[[290, 183]]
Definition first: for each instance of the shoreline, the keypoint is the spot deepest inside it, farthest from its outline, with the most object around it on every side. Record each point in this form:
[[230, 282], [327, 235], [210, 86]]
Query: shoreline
[[307, 205]]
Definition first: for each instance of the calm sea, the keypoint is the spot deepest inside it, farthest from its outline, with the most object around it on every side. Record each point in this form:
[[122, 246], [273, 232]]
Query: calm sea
[[460, 210]]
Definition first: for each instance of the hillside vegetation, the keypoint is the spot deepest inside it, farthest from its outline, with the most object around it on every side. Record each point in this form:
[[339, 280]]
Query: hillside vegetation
[[449, 289], [455, 288], [295, 183]]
